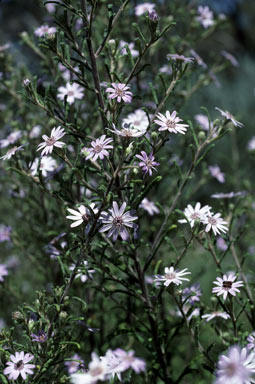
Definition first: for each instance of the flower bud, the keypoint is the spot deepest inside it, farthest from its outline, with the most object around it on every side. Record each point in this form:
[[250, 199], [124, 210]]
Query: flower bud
[[26, 82], [63, 315], [154, 135], [201, 135]]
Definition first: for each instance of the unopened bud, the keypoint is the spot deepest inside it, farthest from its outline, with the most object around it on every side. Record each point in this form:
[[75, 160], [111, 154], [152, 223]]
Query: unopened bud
[[26, 82], [201, 135]]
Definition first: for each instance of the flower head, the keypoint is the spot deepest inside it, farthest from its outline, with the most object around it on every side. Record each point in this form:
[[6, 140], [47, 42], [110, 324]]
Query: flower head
[[120, 92], [149, 206], [97, 371], [221, 244], [45, 30], [192, 294], [203, 121], [131, 47], [205, 16], [138, 121], [214, 222], [143, 8], [10, 139], [128, 360], [19, 366], [228, 116], [195, 214], [251, 341], [41, 337], [215, 171], [3, 272], [237, 367], [147, 163], [128, 131], [82, 215], [171, 123], [72, 91], [74, 364], [35, 132], [115, 221], [5, 233], [47, 164], [172, 276], [52, 141], [180, 58], [99, 148], [227, 285], [212, 315], [12, 152]]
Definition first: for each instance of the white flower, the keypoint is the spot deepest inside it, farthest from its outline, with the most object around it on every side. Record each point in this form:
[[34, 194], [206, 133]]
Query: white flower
[[112, 362], [97, 371], [203, 121], [72, 91], [193, 214], [131, 46], [99, 148], [115, 221], [210, 316], [128, 131], [172, 276], [251, 341], [205, 17], [19, 366], [128, 360], [171, 123], [12, 152], [237, 367], [138, 121], [180, 58], [45, 30], [251, 144], [10, 139], [227, 285], [82, 215], [52, 141], [47, 164], [214, 222], [215, 171], [228, 116], [3, 272], [149, 206], [120, 92], [35, 132], [83, 272], [144, 7]]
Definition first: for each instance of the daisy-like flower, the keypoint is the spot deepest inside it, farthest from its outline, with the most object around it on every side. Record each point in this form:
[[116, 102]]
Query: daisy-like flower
[[112, 362], [82, 215], [221, 244], [3, 272], [72, 91], [41, 337], [45, 30], [83, 272], [193, 214], [52, 141], [171, 123], [211, 316], [214, 222], [131, 47], [48, 164], [227, 285], [251, 144], [115, 221], [143, 8], [230, 58], [12, 152], [128, 131], [192, 294], [237, 367], [128, 360], [147, 163], [203, 121], [74, 364], [10, 139], [228, 116], [205, 16], [251, 341], [35, 132], [149, 206], [97, 371], [137, 120], [180, 58], [99, 148], [19, 366], [172, 276], [120, 92], [215, 171]]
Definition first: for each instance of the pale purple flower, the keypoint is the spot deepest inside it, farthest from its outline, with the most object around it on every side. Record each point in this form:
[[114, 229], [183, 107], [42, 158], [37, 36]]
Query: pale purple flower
[[3, 272], [35, 132], [143, 8], [138, 121], [99, 148], [153, 15], [186, 309], [10, 139], [228, 116], [215, 172], [192, 294], [205, 16], [128, 360], [251, 144], [120, 91], [45, 30], [74, 364], [214, 222], [166, 69], [83, 272], [5, 233], [71, 92], [149, 206], [180, 58], [230, 58], [171, 123], [221, 244], [26, 82], [112, 362], [172, 276], [237, 367], [41, 337], [115, 221], [128, 130], [82, 215], [47, 164], [52, 141], [203, 121], [147, 163], [19, 366], [227, 285], [97, 371], [131, 47], [12, 152], [198, 59], [251, 341], [195, 214], [212, 315]]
